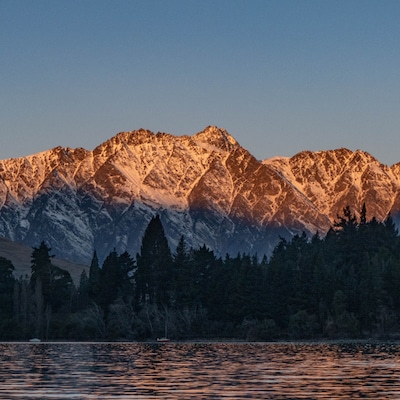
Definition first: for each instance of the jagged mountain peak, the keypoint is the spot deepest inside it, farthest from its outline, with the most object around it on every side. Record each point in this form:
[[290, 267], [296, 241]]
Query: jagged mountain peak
[[121, 139], [211, 135], [363, 157], [23, 177], [217, 137], [332, 161], [333, 179], [131, 137], [341, 155], [395, 168]]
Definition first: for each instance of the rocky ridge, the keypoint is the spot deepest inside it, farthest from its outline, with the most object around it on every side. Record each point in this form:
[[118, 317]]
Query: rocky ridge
[[205, 187]]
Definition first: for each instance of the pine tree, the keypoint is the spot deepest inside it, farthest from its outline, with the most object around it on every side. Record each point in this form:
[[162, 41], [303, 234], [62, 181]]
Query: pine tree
[[154, 275], [203, 266], [182, 270], [110, 278], [7, 282], [94, 279], [83, 291], [41, 267], [363, 215], [115, 280], [56, 283], [127, 266], [7, 286]]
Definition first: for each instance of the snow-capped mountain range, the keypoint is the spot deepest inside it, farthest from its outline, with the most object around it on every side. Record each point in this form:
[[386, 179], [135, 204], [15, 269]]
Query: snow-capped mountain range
[[205, 187]]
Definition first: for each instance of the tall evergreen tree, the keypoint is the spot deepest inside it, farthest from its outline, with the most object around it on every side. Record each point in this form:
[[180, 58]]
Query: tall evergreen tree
[[7, 284], [126, 266], [56, 282], [154, 275], [182, 272], [83, 291], [94, 279], [42, 269], [203, 266], [110, 280]]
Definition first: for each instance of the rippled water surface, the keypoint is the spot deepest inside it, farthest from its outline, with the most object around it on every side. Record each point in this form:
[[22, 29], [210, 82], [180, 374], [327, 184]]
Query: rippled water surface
[[199, 371]]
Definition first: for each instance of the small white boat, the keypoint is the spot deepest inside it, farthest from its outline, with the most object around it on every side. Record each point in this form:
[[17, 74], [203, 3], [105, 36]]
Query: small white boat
[[35, 340], [163, 340]]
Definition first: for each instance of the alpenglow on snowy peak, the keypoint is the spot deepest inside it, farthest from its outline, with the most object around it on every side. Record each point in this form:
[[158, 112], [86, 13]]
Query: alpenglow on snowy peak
[[205, 187]]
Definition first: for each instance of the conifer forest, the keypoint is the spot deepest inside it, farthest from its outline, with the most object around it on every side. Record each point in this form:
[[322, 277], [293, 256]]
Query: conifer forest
[[343, 285]]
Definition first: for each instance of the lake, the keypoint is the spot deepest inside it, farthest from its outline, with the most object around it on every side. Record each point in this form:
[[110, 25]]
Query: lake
[[199, 371]]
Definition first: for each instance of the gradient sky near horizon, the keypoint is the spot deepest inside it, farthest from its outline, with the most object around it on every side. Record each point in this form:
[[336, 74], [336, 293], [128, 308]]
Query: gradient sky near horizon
[[281, 76]]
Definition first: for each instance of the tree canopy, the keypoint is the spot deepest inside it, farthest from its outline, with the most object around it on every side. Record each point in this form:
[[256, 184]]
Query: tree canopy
[[345, 284]]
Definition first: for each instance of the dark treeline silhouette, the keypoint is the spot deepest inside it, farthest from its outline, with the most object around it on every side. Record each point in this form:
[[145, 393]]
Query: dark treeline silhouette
[[344, 285]]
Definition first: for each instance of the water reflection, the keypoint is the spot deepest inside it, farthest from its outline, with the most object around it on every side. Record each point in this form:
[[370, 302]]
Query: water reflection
[[199, 370]]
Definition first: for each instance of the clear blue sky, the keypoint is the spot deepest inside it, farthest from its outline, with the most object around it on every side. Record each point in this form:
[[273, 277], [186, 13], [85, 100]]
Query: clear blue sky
[[280, 76]]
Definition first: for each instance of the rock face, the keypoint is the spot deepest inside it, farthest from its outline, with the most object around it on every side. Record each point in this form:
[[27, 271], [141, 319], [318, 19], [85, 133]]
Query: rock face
[[334, 179], [205, 187]]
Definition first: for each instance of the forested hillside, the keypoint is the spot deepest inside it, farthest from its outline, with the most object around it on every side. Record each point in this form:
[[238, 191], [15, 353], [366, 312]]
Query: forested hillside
[[345, 284]]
